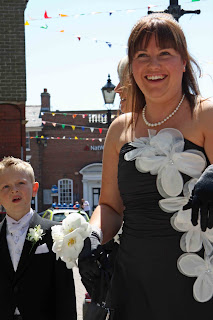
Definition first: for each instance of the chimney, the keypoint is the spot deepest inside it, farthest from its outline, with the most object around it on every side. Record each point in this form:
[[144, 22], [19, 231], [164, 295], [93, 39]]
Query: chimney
[[45, 101]]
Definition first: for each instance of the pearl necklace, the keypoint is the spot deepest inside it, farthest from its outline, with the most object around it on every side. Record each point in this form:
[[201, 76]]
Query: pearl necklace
[[149, 124]]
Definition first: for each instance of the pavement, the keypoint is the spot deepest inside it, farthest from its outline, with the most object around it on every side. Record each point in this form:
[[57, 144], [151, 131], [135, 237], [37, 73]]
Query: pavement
[[80, 293]]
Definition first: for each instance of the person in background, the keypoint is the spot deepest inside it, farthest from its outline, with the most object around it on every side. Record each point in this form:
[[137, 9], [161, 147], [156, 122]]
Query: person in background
[[123, 85], [85, 206], [76, 205], [151, 156], [34, 285]]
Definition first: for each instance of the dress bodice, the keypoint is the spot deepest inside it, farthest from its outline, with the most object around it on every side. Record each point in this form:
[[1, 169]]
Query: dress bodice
[[142, 215]]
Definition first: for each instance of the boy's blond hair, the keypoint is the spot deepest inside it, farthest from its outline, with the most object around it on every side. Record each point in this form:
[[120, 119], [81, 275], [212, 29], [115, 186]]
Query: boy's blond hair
[[17, 164]]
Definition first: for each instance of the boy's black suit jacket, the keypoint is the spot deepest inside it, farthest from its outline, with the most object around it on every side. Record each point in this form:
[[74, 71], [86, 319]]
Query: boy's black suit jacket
[[42, 288]]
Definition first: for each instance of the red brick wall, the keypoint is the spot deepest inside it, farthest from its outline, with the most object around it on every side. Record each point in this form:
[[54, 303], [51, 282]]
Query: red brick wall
[[12, 130], [64, 158]]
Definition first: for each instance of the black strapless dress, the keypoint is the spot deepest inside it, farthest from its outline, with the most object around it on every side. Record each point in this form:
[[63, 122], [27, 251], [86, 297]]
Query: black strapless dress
[[146, 283]]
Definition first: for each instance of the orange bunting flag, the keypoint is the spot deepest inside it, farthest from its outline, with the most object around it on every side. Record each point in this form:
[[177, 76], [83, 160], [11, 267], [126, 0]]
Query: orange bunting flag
[[73, 127], [63, 15], [46, 16], [26, 23], [74, 116], [61, 31], [100, 130]]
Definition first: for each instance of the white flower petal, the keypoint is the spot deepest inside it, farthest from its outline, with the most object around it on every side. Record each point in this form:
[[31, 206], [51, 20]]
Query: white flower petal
[[152, 164], [188, 187], [203, 287], [170, 181], [189, 163], [206, 244], [191, 241], [191, 264], [172, 204], [182, 220]]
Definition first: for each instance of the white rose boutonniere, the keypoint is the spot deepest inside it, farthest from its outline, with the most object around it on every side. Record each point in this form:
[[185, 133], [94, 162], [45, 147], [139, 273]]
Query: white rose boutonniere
[[34, 235], [69, 238]]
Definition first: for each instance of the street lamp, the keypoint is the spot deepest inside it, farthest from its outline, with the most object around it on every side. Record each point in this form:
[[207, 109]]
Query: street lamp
[[109, 97]]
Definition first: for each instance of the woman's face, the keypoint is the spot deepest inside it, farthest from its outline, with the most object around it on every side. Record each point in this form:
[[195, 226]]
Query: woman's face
[[158, 72]]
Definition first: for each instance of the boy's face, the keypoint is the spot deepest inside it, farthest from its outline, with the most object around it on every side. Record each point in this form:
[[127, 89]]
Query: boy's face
[[16, 192]]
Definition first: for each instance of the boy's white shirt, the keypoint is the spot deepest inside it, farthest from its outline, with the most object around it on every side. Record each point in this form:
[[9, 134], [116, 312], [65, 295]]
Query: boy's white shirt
[[16, 234]]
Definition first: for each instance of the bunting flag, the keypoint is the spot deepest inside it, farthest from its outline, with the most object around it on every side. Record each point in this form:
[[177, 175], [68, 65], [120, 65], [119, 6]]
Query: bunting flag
[[64, 15], [26, 23], [68, 138], [44, 27], [46, 16], [195, 0], [73, 126]]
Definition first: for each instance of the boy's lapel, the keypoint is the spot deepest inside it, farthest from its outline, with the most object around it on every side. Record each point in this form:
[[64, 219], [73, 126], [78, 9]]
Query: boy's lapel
[[5, 251], [28, 248]]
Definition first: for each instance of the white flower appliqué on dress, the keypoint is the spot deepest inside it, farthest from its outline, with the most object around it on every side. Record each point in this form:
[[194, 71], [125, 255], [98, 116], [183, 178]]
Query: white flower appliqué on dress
[[162, 155], [194, 238], [194, 266]]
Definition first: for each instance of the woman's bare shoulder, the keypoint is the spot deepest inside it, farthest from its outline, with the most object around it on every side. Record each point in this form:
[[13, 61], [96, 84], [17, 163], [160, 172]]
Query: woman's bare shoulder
[[120, 131], [204, 111]]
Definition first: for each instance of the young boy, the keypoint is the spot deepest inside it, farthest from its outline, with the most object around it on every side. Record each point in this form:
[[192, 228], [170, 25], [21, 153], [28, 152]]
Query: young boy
[[33, 284]]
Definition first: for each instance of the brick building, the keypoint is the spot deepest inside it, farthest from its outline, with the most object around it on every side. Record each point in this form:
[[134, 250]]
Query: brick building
[[12, 78], [65, 150]]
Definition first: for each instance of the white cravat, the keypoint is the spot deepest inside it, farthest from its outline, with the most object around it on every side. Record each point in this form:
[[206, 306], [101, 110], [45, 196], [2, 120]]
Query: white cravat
[[16, 234]]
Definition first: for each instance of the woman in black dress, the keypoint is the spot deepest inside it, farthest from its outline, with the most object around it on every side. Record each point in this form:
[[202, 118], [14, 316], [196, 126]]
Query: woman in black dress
[[153, 158]]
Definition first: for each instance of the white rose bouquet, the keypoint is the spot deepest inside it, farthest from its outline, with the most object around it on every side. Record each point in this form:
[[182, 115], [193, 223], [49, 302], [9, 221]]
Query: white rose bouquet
[[69, 238]]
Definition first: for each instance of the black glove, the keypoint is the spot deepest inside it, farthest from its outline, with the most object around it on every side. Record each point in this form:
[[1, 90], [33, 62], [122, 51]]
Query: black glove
[[202, 200], [89, 261]]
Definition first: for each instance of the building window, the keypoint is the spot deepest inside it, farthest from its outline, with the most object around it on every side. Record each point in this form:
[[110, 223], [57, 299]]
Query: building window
[[27, 141], [65, 191]]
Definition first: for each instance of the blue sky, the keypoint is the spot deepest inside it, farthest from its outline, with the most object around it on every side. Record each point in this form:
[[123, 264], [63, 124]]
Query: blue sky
[[74, 71]]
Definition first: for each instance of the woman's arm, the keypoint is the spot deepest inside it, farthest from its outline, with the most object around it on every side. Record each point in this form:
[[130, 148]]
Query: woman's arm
[[206, 123], [108, 215]]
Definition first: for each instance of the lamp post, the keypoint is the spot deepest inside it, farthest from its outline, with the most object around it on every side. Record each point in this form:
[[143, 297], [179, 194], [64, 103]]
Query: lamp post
[[109, 97], [175, 9]]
